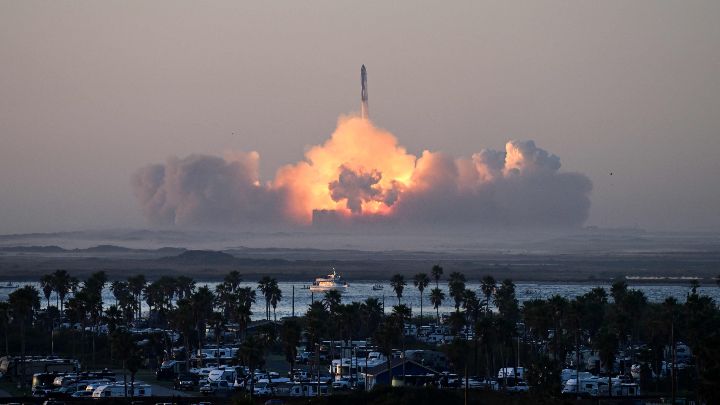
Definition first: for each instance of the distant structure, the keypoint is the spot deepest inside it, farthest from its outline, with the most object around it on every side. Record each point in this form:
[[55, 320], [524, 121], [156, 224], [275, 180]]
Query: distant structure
[[364, 112]]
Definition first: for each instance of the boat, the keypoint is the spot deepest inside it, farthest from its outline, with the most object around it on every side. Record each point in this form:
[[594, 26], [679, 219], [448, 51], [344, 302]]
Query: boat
[[9, 285], [332, 282], [377, 287]]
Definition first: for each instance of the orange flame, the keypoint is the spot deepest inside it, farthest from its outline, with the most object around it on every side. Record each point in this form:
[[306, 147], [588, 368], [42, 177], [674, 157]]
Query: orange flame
[[357, 145]]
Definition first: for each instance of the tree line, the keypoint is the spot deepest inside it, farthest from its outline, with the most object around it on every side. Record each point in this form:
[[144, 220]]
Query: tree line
[[488, 323]]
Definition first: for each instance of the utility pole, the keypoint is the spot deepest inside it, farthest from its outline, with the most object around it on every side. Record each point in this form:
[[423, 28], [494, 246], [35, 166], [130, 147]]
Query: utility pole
[[293, 301]]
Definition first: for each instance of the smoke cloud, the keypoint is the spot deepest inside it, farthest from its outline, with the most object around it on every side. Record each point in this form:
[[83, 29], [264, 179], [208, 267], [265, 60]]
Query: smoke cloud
[[362, 175], [204, 190]]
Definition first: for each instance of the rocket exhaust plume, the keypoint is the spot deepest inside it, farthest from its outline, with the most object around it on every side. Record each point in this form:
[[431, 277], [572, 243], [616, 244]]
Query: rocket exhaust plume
[[363, 175], [364, 112]]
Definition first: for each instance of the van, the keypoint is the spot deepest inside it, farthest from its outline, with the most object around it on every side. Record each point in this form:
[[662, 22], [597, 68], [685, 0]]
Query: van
[[118, 391]]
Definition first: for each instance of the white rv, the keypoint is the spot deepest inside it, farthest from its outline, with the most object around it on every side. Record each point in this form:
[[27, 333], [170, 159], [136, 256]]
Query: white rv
[[222, 373], [118, 390], [509, 372]]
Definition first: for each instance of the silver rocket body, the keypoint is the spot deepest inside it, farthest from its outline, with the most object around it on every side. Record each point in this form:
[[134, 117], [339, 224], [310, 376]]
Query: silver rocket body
[[364, 112]]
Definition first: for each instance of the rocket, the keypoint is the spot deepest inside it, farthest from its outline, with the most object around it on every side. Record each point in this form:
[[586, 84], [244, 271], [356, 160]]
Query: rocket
[[364, 112]]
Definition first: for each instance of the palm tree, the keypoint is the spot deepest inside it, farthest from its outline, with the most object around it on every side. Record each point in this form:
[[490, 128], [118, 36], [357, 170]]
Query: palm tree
[[243, 308], [252, 355], [119, 289], [265, 286], [437, 272], [290, 335], [606, 344], [233, 280], [506, 300], [456, 286], [202, 305], [128, 352], [372, 313], [182, 319], [225, 298], [113, 317], [386, 336], [471, 305], [316, 322], [184, 286], [436, 298], [24, 302], [402, 312], [488, 288], [153, 297], [332, 300], [63, 284], [47, 284], [217, 323], [168, 288], [421, 280], [484, 329], [275, 298], [137, 284], [5, 318], [397, 282]]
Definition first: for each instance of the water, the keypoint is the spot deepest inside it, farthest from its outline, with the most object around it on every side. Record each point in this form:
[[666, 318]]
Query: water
[[361, 290]]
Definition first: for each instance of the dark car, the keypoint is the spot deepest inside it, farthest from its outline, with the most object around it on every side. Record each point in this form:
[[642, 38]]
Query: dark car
[[186, 382]]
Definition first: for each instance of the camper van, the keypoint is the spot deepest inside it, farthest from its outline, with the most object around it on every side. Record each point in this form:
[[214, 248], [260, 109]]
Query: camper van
[[222, 373], [585, 387], [170, 369], [118, 390]]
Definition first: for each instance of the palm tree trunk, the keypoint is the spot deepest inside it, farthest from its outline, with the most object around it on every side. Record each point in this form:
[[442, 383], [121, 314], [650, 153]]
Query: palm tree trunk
[[475, 354], [125, 378], [132, 386], [93, 346], [421, 319], [22, 352], [217, 346]]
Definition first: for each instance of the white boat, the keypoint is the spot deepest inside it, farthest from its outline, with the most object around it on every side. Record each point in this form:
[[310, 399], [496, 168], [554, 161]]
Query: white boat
[[377, 287], [332, 282]]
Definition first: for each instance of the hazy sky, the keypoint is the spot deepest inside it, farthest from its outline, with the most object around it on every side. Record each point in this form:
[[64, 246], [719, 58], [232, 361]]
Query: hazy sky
[[91, 91]]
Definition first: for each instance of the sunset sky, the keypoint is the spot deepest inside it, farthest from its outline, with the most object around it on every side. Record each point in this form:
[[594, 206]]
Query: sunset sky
[[92, 91]]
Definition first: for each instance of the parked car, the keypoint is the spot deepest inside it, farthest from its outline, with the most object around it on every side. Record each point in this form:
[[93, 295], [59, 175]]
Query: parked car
[[521, 386], [186, 382], [263, 390], [342, 384], [216, 388]]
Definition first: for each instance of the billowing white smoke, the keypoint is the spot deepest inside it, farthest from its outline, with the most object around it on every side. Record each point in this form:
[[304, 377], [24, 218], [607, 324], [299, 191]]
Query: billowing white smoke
[[204, 190], [518, 187]]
